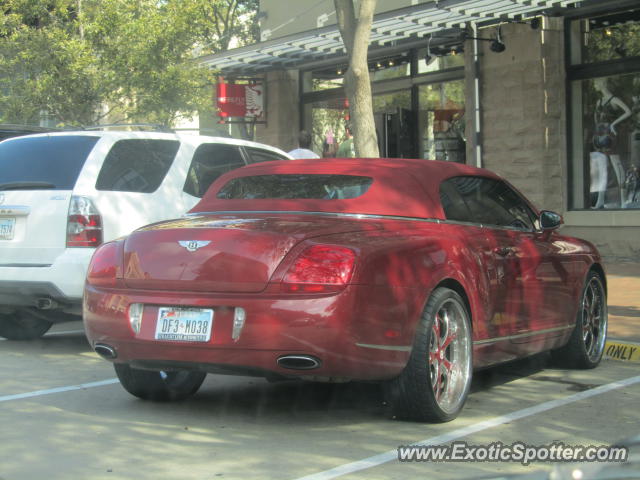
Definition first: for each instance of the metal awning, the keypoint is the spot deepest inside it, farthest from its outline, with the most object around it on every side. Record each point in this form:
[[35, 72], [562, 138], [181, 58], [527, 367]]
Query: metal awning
[[400, 27]]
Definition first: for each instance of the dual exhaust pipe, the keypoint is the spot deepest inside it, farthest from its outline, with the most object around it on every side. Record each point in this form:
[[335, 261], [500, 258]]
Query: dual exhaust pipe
[[105, 351], [299, 362], [291, 362]]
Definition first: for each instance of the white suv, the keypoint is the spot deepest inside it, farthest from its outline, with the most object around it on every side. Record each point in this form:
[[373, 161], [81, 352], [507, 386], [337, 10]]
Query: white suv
[[63, 194]]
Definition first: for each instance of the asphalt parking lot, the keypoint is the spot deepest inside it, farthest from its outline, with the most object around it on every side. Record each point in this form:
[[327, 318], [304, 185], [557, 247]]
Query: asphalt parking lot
[[65, 416]]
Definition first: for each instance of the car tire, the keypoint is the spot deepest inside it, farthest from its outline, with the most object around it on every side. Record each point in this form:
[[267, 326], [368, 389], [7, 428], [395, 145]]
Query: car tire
[[586, 344], [23, 325], [159, 386], [435, 383]]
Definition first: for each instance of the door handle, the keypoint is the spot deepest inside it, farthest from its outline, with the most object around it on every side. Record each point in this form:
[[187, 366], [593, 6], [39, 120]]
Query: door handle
[[503, 251]]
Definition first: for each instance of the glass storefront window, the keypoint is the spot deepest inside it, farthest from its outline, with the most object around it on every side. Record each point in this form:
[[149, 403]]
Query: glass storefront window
[[607, 37], [328, 120], [394, 124], [439, 60], [387, 68], [441, 121], [606, 142], [326, 83], [605, 111], [414, 118]]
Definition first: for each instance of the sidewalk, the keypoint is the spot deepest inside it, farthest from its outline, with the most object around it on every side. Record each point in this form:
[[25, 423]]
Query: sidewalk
[[623, 280]]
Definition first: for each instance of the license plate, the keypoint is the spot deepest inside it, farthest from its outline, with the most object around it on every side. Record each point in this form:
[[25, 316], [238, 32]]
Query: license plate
[[184, 324], [7, 227]]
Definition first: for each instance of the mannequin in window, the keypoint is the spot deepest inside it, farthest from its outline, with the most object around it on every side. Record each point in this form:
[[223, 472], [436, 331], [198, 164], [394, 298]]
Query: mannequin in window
[[609, 111], [633, 172]]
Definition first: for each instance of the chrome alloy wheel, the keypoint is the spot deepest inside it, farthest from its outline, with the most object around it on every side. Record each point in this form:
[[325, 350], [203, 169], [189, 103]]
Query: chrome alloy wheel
[[594, 318], [450, 355]]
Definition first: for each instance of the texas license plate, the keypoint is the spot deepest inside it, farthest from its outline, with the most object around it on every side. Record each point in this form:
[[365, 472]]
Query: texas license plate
[[7, 227], [184, 324]]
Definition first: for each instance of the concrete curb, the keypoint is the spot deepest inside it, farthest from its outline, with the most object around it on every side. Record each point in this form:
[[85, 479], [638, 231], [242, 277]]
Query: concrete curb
[[622, 350]]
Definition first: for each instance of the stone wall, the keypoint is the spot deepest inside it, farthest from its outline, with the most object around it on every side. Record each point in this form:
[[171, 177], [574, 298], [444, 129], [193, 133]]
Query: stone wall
[[522, 102], [614, 243], [282, 109]]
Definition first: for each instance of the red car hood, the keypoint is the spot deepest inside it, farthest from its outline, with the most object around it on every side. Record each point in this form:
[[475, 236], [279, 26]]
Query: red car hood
[[219, 253]]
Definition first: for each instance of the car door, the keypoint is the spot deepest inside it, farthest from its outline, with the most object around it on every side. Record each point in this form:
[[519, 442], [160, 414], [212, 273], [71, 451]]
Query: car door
[[457, 199], [531, 275]]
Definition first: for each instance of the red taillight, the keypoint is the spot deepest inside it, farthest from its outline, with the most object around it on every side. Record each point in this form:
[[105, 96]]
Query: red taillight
[[320, 268], [84, 223], [105, 268]]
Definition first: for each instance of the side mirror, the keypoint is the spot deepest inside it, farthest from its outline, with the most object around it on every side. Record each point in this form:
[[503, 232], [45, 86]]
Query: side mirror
[[550, 220]]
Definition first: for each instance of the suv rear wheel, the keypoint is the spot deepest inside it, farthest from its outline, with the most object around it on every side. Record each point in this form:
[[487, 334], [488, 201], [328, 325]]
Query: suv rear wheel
[[23, 324]]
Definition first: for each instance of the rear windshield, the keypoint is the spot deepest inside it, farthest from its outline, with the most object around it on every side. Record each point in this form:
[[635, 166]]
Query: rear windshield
[[51, 163], [296, 186]]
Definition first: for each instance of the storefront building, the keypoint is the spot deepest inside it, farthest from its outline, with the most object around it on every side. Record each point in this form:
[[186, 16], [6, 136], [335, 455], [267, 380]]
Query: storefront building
[[546, 93]]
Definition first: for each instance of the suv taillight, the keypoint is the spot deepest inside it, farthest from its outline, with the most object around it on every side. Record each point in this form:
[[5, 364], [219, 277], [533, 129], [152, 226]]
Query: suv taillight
[[320, 269], [84, 223], [105, 267]]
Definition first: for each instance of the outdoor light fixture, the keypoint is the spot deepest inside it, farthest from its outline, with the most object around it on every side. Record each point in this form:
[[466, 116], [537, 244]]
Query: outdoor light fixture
[[497, 44], [429, 57]]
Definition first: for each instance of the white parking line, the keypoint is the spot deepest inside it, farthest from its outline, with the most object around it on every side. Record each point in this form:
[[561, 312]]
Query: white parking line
[[390, 455], [70, 388]]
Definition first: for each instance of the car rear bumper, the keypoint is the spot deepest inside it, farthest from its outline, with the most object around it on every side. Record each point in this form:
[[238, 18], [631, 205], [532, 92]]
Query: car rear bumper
[[62, 281], [27, 294], [345, 332]]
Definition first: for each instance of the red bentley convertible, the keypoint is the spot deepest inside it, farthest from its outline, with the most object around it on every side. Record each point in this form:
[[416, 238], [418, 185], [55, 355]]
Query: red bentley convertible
[[409, 272]]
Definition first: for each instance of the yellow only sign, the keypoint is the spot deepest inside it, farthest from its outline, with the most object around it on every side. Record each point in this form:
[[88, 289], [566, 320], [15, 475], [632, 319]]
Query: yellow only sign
[[627, 352]]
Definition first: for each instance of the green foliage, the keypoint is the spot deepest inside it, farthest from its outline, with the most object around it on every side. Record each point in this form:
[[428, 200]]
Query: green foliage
[[83, 61], [612, 43]]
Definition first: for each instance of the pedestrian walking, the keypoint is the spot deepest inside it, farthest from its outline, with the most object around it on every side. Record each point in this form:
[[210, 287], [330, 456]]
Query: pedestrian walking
[[304, 144]]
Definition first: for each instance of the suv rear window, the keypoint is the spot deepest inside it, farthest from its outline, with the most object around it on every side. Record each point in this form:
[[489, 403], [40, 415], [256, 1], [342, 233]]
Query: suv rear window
[[138, 165], [296, 186], [53, 162]]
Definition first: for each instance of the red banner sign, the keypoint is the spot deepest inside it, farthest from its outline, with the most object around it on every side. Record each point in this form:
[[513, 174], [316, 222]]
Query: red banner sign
[[240, 100]]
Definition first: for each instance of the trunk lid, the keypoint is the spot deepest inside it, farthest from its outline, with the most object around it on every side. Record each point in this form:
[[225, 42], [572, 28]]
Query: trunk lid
[[220, 253]]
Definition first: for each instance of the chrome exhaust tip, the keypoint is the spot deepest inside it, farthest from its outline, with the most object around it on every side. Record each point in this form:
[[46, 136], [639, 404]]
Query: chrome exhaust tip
[[105, 351], [299, 362]]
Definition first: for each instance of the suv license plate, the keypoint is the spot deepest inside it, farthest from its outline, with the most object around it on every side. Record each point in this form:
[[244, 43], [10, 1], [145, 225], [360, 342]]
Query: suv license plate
[[7, 227], [184, 324]]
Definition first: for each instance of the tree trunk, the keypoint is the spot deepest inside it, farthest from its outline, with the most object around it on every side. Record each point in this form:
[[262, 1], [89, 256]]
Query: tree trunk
[[355, 33]]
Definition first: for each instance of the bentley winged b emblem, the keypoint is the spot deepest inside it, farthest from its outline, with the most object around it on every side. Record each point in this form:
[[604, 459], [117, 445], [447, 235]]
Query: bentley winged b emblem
[[193, 245]]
